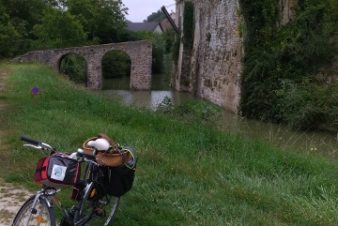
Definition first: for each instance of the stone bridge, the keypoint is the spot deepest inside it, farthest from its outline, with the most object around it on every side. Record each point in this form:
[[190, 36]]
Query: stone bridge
[[139, 52]]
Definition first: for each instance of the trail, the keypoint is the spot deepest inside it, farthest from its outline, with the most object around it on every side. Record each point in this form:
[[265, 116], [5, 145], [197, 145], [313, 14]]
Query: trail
[[11, 197]]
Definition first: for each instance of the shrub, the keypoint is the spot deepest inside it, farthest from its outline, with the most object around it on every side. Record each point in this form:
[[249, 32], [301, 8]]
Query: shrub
[[308, 105], [195, 111], [116, 64], [75, 67]]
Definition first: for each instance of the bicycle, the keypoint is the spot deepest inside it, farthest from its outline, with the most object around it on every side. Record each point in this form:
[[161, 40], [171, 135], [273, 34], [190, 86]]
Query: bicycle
[[93, 203]]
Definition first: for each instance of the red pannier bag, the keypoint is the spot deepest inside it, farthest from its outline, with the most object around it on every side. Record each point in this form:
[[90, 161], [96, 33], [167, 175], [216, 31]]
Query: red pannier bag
[[57, 170]]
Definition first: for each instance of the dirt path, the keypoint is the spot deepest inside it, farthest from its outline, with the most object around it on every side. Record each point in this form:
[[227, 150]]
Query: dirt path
[[11, 197]]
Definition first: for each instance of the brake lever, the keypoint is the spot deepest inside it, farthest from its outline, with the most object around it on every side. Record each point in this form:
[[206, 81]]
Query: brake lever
[[47, 146]]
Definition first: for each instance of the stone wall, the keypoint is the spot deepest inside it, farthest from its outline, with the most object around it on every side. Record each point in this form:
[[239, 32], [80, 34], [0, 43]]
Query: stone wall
[[140, 53], [287, 11], [215, 65]]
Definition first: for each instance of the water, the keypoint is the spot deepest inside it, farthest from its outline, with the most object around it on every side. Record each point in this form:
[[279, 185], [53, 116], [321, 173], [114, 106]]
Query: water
[[116, 84], [146, 99]]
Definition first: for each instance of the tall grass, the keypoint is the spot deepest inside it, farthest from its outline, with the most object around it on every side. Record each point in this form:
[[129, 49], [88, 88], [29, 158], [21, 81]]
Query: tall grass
[[188, 174]]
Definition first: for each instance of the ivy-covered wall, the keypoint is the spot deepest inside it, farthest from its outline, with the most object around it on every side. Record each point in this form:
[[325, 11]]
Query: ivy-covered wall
[[287, 65]]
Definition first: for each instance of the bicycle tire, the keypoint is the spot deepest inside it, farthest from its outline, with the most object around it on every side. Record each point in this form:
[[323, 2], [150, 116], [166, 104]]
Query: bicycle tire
[[44, 217]]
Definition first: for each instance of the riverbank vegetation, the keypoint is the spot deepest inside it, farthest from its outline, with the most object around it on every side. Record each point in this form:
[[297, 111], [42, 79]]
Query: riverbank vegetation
[[188, 173], [289, 70]]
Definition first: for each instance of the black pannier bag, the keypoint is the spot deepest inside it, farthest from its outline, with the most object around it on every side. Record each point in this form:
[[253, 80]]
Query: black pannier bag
[[57, 170], [119, 180]]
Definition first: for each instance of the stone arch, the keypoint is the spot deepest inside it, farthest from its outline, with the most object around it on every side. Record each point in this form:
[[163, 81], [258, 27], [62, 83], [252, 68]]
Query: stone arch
[[64, 66], [118, 61]]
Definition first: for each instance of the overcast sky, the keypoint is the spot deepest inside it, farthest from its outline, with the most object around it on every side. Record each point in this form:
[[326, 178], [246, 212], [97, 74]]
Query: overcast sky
[[139, 10]]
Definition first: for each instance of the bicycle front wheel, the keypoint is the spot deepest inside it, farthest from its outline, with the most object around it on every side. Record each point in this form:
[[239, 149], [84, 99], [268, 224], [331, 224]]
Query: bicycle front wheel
[[41, 215]]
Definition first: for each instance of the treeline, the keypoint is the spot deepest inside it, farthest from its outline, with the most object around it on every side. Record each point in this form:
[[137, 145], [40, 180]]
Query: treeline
[[35, 24]]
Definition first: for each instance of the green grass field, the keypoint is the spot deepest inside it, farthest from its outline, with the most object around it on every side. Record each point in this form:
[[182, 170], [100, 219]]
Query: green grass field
[[188, 173]]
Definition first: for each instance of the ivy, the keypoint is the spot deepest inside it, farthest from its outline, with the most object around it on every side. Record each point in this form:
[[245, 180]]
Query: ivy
[[295, 53], [188, 31], [188, 24]]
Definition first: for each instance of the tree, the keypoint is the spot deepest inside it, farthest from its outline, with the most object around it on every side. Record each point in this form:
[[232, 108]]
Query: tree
[[59, 29], [156, 17], [30, 24], [23, 15], [8, 35], [28, 11], [103, 20]]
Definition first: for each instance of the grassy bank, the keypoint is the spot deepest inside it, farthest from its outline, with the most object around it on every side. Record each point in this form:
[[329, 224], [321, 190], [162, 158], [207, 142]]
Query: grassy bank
[[188, 174]]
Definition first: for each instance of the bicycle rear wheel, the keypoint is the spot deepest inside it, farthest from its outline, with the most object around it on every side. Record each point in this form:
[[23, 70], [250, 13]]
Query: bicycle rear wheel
[[112, 208], [42, 215], [94, 212], [105, 210]]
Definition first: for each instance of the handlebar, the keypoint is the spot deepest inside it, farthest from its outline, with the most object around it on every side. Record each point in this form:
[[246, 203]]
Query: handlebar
[[30, 141], [79, 154], [37, 144]]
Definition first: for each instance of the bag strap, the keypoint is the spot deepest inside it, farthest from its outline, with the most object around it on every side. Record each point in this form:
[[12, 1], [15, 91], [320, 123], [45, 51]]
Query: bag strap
[[131, 151], [122, 155]]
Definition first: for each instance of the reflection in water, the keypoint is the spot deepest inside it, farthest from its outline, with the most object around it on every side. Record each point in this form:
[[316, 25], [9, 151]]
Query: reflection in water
[[158, 82], [279, 135], [117, 83], [147, 99]]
